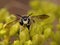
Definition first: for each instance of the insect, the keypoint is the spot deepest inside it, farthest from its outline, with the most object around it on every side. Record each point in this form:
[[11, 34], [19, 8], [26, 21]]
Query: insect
[[28, 20], [25, 20]]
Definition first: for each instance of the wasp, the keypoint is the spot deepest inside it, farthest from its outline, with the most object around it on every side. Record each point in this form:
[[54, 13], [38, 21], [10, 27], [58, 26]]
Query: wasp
[[27, 20]]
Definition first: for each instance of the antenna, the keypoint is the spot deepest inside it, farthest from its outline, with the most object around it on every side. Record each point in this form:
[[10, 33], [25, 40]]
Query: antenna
[[30, 14], [18, 15]]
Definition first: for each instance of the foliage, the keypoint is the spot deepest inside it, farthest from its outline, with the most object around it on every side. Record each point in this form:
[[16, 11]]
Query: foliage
[[41, 30]]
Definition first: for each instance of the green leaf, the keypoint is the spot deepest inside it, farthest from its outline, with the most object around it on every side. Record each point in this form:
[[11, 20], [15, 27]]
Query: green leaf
[[29, 42], [35, 29], [24, 36], [38, 39], [47, 32], [14, 29], [57, 37], [1, 25], [3, 14], [53, 43], [16, 42]]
